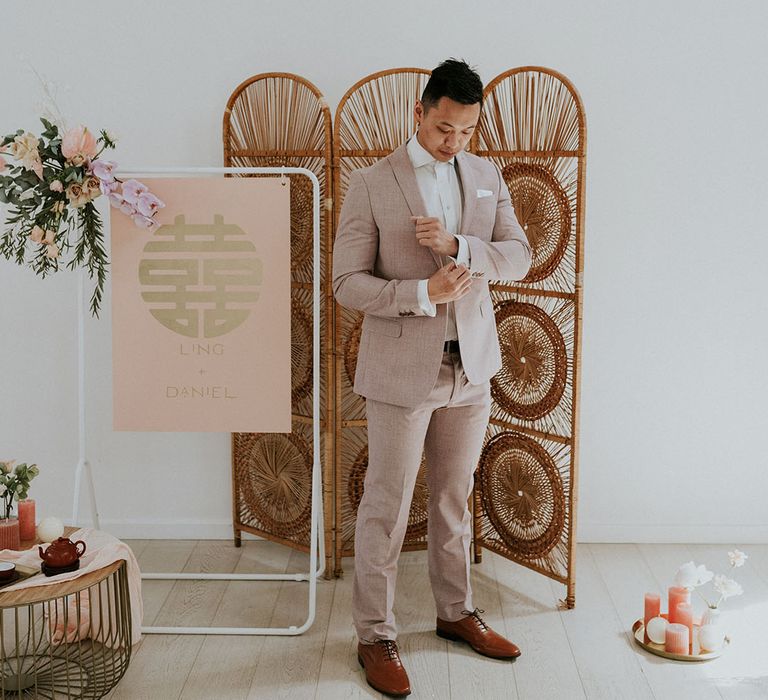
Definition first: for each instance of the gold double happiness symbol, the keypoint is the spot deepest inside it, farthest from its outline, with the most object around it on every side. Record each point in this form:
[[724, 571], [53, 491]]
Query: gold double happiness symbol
[[200, 280]]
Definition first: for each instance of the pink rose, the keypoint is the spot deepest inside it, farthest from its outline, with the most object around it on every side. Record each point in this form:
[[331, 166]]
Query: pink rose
[[37, 234], [49, 238], [132, 189], [52, 251], [2, 164], [56, 186], [148, 204], [102, 169], [77, 195], [79, 144], [37, 167], [92, 185]]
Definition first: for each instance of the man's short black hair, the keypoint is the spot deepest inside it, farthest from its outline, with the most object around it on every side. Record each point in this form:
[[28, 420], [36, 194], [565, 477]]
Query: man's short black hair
[[455, 80]]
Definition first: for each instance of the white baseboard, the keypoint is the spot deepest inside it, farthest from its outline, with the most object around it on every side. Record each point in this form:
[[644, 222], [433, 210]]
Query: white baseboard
[[587, 532], [168, 530], [672, 534]]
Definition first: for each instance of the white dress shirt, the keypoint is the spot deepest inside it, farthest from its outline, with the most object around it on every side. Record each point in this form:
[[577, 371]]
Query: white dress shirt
[[441, 192]]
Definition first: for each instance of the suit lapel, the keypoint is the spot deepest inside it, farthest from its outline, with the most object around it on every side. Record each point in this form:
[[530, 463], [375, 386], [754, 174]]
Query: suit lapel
[[468, 190], [406, 179]]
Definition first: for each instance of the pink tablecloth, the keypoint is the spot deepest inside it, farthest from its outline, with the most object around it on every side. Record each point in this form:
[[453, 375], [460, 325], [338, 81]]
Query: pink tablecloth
[[102, 549]]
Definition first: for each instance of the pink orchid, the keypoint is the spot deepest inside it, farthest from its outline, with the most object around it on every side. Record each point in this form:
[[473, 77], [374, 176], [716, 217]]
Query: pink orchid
[[108, 187], [78, 145], [56, 186], [145, 222], [102, 169], [132, 189], [127, 208], [115, 199], [148, 204]]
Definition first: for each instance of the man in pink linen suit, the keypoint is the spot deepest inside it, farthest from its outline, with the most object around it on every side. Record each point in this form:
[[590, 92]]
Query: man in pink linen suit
[[420, 234]]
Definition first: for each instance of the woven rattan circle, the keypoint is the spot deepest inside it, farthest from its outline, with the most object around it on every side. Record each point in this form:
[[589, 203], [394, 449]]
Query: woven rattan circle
[[301, 353], [275, 478], [301, 209], [352, 348], [522, 494], [544, 211], [534, 365], [417, 517]]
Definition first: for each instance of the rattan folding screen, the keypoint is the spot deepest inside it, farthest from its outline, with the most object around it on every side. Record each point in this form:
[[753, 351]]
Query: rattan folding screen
[[373, 118], [533, 127], [272, 120]]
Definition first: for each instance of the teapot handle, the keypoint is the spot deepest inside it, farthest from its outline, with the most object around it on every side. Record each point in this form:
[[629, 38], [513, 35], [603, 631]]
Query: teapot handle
[[77, 548]]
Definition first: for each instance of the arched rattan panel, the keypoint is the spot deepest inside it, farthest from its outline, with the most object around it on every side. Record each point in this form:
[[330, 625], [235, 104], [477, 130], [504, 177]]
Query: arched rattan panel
[[533, 127], [275, 119], [373, 118]]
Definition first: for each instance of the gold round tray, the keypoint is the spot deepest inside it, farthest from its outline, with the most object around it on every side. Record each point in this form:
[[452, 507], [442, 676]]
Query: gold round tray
[[638, 631]]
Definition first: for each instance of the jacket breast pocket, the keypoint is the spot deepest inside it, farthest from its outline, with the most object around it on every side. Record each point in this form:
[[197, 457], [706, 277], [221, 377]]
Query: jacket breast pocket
[[383, 326]]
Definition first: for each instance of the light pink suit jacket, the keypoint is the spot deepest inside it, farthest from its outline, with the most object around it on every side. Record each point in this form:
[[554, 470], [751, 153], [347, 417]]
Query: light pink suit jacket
[[377, 263]]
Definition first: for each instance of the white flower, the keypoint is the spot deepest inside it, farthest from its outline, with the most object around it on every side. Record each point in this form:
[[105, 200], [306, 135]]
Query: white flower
[[737, 557], [727, 587], [690, 576]]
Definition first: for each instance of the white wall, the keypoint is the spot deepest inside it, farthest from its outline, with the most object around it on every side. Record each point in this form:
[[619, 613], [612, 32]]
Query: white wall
[[674, 377]]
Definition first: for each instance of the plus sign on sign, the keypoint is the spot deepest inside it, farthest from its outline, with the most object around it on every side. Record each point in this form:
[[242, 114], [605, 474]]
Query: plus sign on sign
[[201, 309]]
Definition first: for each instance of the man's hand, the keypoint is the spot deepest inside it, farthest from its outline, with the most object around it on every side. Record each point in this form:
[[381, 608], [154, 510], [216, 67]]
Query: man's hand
[[430, 233], [449, 283]]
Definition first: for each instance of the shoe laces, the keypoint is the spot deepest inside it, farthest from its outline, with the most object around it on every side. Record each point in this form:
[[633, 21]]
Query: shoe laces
[[476, 614], [390, 648]]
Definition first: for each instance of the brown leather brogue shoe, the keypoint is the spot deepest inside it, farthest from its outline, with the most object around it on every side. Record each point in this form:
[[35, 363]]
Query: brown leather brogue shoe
[[383, 669], [472, 630]]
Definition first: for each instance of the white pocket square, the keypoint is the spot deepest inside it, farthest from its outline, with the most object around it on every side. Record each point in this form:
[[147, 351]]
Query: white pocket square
[[484, 193]]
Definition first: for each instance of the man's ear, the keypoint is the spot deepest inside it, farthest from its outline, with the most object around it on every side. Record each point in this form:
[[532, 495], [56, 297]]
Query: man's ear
[[418, 111]]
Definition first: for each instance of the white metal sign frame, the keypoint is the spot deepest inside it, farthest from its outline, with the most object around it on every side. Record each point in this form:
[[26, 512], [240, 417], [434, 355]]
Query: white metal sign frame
[[316, 519]]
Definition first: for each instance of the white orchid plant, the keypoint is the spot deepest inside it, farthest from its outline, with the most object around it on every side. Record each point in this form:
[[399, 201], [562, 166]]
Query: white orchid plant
[[692, 577]]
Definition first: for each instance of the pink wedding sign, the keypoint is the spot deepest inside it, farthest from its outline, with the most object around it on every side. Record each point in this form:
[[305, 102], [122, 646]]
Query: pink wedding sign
[[202, 309]]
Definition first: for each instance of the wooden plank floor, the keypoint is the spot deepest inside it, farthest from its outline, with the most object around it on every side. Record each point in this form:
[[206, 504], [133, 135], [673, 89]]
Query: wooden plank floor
[[587, 652]]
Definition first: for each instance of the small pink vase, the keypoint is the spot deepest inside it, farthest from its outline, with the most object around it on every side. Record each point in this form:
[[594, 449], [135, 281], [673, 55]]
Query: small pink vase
[[9, 533]]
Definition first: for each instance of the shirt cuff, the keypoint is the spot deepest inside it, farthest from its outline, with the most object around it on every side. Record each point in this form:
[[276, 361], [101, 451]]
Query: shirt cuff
[[463, 257], [422, 294]]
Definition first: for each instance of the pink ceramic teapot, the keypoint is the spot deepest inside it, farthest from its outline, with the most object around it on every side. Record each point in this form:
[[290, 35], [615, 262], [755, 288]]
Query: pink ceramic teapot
[[62, 552]]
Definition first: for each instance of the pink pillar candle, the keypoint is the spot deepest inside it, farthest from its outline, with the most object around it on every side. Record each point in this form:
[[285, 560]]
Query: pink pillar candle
[[677, 639], [684, 616], [9, 533], [677, 595], [27, 519], [652, 609]]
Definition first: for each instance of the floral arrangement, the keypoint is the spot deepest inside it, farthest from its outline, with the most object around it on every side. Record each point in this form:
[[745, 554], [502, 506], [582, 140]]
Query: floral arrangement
[[691, 576], [51, 189], [14, 482]]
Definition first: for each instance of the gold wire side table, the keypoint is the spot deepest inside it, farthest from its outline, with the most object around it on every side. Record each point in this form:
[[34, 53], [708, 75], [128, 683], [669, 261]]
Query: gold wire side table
[[67, 640]]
